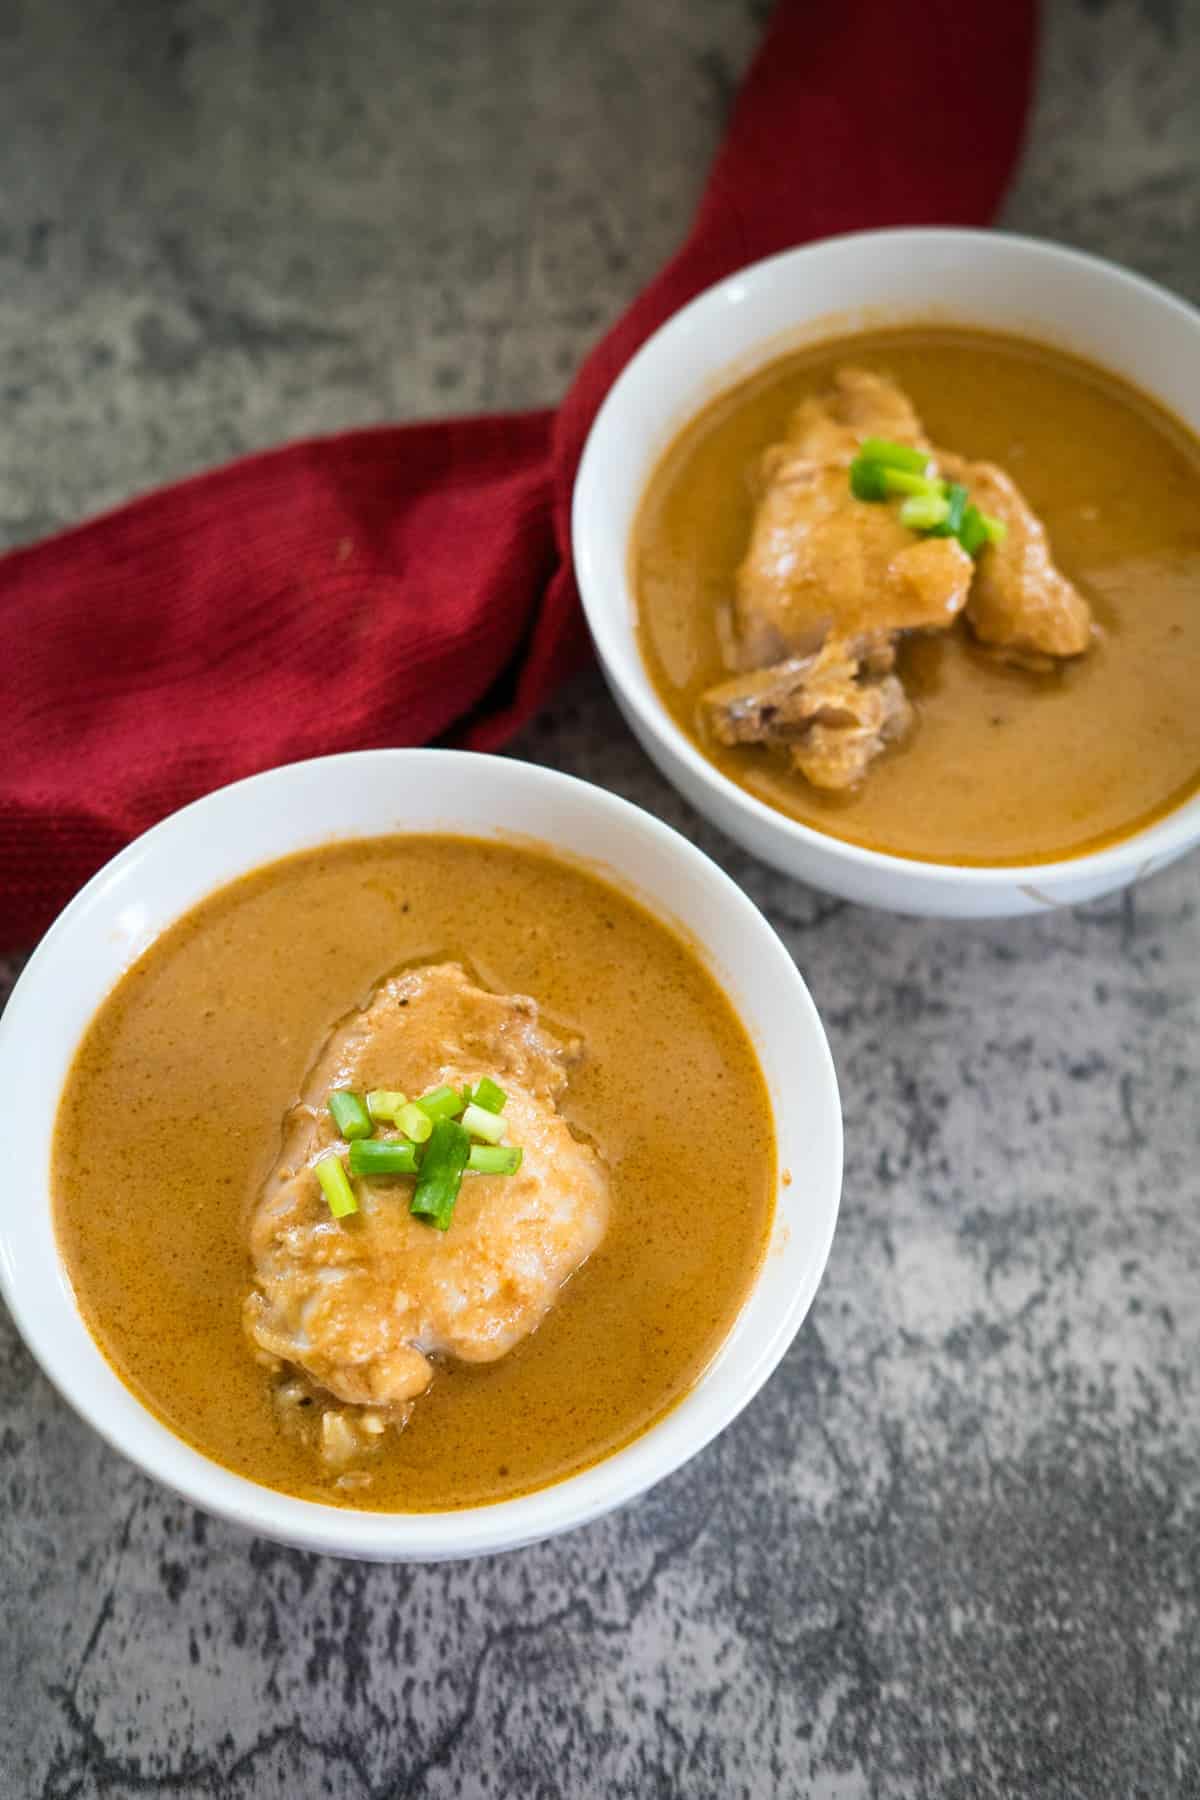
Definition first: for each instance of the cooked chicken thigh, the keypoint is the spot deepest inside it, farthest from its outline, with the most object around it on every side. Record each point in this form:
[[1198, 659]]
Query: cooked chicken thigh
[[360, 1304], [821, 562], [830, 583], [827, 585]]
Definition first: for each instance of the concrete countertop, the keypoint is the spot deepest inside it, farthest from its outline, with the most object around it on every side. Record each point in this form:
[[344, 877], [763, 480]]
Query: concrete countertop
[[952, 1549]]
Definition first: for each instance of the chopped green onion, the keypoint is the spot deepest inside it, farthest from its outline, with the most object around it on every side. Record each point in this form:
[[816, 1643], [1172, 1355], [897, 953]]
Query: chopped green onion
[[972, 533], [335, 1185], [870, 480], [382, 1156], [957, 499], [495, 1159], [485, 1093], [979, 529], [902, 481], [894, 456], [349, 1114], [924, 512], [866, 480], [441, 1103], [956, 504], [414, 1122], [384, 1103], [483, 1124], [441, 1173]]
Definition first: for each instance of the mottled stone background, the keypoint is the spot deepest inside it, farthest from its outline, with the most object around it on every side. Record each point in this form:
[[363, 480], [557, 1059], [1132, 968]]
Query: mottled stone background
[[953, 1547]]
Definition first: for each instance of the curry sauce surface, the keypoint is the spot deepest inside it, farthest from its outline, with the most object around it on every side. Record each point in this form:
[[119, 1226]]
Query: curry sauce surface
[[172, 1113], [1003, 766]]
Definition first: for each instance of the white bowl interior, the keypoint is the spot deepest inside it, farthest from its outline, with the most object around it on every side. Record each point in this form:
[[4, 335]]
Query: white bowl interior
[[988, 280], [376, 792]]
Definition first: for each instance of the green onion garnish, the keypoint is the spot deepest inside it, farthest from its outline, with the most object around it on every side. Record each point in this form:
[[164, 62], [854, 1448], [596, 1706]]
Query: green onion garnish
[[972, 533], [894, 456], [882, 470], [876, 481], [924, 512], [382, 1156], [413, 1122], [349, 1114], [979, 529], [956, 504], [483, 1124], [866, 480], [902, 481], [335, 1185], [441, 1173], [384, 1103], [873, 480], [441, 1103], [495, 1159], [485, 1093]]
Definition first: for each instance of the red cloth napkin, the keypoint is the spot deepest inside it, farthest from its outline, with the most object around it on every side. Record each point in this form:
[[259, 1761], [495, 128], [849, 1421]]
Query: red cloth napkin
[[398, 584]]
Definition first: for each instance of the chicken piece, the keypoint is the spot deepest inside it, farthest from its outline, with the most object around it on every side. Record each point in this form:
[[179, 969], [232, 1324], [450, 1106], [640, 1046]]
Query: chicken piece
[[819, 560], [359, 1305], [833, 711], [1020, 604], [829, 583], [826, 587]]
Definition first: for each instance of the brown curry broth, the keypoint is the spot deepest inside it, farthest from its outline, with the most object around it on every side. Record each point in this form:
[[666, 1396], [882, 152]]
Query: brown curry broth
[[1003, 766], [172, 1112]]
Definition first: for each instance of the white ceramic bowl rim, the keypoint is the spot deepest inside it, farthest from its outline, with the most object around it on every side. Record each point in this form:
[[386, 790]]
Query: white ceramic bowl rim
[[32, 1277], [1160, 839]]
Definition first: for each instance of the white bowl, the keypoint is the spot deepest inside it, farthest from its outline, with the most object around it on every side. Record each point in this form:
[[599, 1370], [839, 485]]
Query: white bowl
[[375, 792], [863, 282]]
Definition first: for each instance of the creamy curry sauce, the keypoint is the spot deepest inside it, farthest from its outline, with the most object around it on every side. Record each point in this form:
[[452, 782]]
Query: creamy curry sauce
[[1004, 766], [171, 1118]]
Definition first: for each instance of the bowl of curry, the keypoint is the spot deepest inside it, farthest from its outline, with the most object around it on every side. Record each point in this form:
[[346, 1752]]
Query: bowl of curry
[[890, 549], [413, 1154]]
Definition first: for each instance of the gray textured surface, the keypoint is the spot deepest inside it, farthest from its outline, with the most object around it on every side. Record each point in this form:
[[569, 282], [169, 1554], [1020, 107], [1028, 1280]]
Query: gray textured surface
[[953, 1547]]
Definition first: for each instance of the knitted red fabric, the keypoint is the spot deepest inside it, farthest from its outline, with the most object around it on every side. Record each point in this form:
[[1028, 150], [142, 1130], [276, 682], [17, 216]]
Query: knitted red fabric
[[399, 584]]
